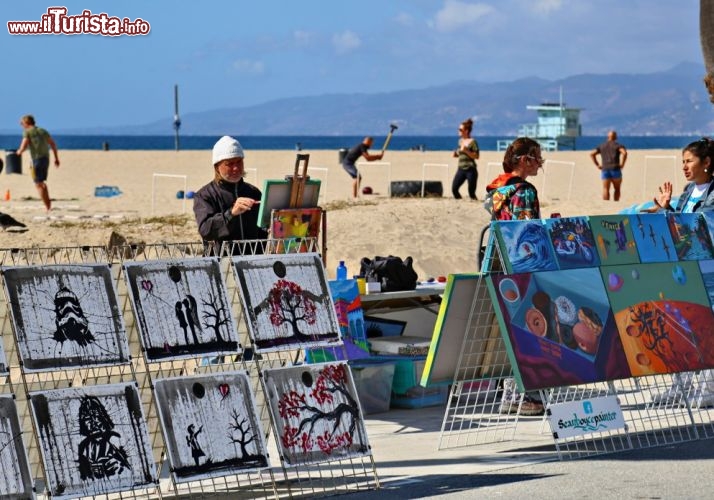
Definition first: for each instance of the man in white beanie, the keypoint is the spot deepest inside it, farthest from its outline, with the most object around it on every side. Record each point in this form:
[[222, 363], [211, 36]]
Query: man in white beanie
[[226, 208]]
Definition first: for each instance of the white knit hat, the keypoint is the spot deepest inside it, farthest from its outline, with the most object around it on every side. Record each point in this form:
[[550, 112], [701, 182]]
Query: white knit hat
[[227, 148]]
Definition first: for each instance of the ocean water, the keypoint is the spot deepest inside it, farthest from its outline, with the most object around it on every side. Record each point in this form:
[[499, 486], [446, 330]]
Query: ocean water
[[288, 142]]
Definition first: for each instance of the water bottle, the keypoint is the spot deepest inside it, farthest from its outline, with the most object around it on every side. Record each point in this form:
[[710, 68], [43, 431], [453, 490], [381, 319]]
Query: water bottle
[[342, 271]]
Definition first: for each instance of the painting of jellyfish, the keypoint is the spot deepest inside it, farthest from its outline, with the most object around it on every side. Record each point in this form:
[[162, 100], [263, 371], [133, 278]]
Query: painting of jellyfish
[[93, 440], [286, 301], [66, 316], [211, 425], [182, 308]]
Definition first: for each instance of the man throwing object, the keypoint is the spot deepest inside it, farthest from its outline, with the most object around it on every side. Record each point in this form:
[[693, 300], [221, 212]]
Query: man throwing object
[[354, 154]]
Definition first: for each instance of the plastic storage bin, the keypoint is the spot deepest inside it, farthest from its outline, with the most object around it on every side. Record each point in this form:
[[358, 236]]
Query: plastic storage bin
[[406, 391], [421, 397], [373, 381]]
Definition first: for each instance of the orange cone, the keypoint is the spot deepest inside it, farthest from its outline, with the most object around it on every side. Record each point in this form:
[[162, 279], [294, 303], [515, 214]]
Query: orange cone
[[7, 195]]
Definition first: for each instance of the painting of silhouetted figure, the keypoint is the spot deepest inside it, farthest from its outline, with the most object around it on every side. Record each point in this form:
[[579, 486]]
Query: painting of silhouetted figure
[[182, 308], [286, 301], [211, 426], [93, 440], [192, 441], [66, 316], [15, 476], [98, 456]]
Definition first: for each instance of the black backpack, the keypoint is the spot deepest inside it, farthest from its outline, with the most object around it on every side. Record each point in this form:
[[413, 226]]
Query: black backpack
[[391, 272]]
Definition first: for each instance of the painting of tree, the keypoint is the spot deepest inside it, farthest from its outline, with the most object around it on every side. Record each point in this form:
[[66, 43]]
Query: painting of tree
[[286, 301], [211, 425], [182, 308], [316, 412]]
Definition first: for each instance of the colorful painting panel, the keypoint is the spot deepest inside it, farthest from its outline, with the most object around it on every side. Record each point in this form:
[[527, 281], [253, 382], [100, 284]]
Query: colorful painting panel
[[614, 239], [651, 233], [525, 246], [182, 308], [561, 330], [286, 301], [93, 440], [690, 235], [292, 226], [66, 316], [15, 475], [276, 196], [709, 220], [316, 413], [456, 320], [211, 426], [350, 317], [573, 242], [706, 267], [663, 315]]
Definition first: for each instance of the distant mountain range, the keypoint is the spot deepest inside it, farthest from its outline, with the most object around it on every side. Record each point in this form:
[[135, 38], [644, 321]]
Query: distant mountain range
[[672, 102]]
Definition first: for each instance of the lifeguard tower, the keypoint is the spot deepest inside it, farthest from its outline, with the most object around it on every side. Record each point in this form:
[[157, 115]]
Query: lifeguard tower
[[557, 128]]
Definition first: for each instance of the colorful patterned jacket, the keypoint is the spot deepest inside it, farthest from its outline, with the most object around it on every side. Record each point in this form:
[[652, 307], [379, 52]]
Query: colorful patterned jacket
[[510, 197]]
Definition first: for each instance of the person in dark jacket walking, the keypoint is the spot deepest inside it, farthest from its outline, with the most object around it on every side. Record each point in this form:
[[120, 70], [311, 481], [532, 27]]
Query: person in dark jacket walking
[[226, 208]]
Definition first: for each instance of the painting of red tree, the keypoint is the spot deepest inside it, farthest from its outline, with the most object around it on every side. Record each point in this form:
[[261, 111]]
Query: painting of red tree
[[317, 413], [286, 301]]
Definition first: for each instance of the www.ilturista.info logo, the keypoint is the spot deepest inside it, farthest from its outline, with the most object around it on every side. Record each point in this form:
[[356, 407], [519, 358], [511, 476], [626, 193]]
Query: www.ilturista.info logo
[[57, 22]]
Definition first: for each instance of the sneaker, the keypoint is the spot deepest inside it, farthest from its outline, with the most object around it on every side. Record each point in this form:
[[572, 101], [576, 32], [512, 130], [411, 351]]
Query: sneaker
[[528, 408], [532, 408], [507, 408]]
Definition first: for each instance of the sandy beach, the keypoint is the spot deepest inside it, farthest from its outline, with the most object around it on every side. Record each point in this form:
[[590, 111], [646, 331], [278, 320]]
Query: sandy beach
[[441, 234]]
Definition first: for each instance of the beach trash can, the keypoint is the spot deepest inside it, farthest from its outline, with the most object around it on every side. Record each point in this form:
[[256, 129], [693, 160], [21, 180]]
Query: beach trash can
[[13, 162], [341, 155]]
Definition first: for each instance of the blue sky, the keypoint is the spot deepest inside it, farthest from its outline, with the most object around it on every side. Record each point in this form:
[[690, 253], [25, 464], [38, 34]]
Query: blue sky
[[230, 53]]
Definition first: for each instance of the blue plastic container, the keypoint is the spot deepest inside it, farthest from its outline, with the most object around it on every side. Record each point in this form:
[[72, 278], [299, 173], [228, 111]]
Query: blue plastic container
[[106, 191]]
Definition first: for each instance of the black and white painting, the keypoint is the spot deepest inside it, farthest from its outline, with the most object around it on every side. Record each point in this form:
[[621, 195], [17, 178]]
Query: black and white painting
[[316, 413], [182, 308], [211, 425], [287, 302], [15, 475], [4, 368], [66, 316], [93, 440]]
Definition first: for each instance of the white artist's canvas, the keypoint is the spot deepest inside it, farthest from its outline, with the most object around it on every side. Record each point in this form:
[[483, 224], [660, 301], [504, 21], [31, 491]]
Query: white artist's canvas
[[93, 440], [66, 316], [182, 308], [15, 475], [287, 302], [316, 413], [211, 425]]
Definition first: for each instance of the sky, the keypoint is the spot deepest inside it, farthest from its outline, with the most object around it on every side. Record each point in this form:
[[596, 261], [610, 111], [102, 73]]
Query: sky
[[236, 53]]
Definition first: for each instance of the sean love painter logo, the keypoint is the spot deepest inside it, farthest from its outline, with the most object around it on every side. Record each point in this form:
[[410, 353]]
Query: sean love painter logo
[[57, 22], [588, 422]]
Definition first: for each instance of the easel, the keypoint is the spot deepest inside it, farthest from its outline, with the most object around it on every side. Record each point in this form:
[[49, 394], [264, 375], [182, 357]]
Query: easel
[[297, 190], [297, 181]]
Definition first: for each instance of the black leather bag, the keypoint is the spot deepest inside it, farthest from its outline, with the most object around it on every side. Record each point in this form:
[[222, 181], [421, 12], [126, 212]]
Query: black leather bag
[[393, 273]]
